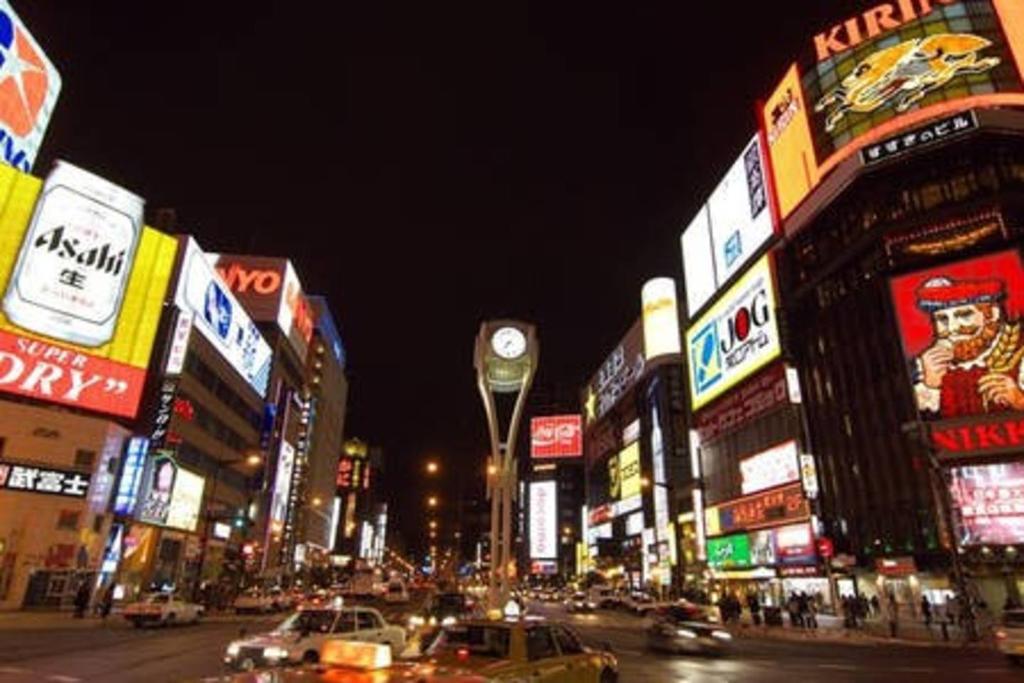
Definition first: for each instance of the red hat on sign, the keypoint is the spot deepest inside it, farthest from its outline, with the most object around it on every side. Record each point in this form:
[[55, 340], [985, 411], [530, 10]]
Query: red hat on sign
[[942, 292]]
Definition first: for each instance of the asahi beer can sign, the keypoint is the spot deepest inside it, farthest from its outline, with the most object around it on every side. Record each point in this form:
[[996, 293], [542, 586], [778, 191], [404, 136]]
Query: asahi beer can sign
[[74, 263]]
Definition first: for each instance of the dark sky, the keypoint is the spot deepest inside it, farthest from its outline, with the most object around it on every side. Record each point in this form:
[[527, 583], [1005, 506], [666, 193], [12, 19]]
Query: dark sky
[[427, 167]]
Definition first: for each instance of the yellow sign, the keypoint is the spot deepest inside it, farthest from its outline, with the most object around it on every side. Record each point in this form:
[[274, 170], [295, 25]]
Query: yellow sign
[[794, 165], [629, 471], [107, 377]]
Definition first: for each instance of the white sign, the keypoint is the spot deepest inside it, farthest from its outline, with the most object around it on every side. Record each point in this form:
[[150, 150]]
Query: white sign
[[179, 343], [43, 480], [282, 483], [183, 512], [29, 86], [631, 433], [661, 318], [635, 524], [734, 224], [773, 467], [221, 319], [221, 531], [626, 505], [735, 338], [76, 257], [809, 475], [543, 520]]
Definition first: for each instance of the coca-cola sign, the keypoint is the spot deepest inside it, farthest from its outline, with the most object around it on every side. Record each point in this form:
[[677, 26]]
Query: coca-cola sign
[[558, 436]]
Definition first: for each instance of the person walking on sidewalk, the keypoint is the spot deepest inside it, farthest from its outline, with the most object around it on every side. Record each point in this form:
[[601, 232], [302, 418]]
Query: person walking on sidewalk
[[926, 612], [81, 599], [754, 604], [811, 620], [893, 614], [107, 601], [876, 606]]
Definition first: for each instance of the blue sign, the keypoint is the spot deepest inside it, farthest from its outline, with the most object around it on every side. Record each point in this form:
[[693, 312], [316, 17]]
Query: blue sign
[[131, 475], [707, 363], [328, 328]]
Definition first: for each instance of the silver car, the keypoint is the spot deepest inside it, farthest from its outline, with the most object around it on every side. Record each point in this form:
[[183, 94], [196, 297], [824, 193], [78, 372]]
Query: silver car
[[686, 629]]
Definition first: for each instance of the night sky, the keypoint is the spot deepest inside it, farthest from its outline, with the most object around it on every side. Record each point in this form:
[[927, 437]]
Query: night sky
[[427, 167]]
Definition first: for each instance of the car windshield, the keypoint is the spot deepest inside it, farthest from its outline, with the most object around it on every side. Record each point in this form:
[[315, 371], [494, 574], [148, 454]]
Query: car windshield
[[480, 640], [313, 621], [678, 614], [1013, 618], [159, 598], [450, 602]]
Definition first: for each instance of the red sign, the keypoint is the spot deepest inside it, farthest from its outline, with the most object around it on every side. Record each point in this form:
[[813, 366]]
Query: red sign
[[989, 500], [895, 566], [48, 372], [954, 439], [761, 395], [770, 508], [601, 514], [353, 473], [825, 547], [559, 436], [961, 332]]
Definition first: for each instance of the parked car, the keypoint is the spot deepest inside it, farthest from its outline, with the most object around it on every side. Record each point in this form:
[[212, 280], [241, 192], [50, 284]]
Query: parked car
[[1010, 635], [604, 597], [687, 629], [253, 601], [298, 638], [162, 609], [396, 593]]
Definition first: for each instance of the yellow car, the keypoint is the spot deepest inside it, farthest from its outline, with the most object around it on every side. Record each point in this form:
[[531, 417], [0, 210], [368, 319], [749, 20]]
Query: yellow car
[[516, 650]]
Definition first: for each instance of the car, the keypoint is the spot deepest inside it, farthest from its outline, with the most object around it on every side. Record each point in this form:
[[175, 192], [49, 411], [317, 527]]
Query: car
[[518, 649], [396, 593], [636, 602], [162, 609], [298, 638], [685, 628], [253, 601], [580, 602], [604, 597], [444, 608], [1010, 635]]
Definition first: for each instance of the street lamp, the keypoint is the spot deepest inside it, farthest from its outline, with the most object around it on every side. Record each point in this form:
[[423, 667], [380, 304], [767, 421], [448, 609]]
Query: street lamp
[[432, 467], [432, 501], [433, 524]]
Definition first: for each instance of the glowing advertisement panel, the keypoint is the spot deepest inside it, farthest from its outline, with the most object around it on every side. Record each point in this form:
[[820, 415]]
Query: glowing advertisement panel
[[270, 290], [737, 220], [895, 66], [282, 484], [172, 495], [735, 338], [766, 509], [660, 317], [221, 319], [989, 502], [770, 468], [84, 284], [29, 87], [557, 436], [629, 472], [729, 551], [543, 520], [961, 331]]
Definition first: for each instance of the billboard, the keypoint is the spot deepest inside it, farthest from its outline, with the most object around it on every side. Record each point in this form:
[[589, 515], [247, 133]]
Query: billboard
[[219, 317], [729, 552], [282, 485], [172, 496], [734, 224], [989, 502], [543, 520], [770, 468], [34, 479], [270, 290], [83, 286], [353, 473], [769, 508], [557, 436], [766, 392], [29, 86], [896, 65], [617, 375], [961, 331], [328, 328], [735, 338], [629, 471], [660, 317]]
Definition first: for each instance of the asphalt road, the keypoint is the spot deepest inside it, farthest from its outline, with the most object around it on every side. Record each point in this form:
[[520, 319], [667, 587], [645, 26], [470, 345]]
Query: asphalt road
[[117, 653]]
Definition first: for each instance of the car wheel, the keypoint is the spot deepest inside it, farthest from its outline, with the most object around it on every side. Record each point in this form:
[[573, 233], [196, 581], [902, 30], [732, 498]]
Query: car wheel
[[310, 657], [609, 676]]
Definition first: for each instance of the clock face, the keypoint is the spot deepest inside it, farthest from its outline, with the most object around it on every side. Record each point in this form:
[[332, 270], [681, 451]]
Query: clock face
[[508, 342]]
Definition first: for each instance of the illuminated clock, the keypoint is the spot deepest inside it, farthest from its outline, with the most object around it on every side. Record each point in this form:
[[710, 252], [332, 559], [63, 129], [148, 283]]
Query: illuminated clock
[[508, 342]]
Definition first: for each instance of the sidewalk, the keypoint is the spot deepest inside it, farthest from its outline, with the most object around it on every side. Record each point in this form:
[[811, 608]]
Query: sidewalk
[[48, 620], [874, 632]]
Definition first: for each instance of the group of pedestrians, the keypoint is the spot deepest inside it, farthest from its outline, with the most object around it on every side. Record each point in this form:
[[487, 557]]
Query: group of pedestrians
[[803, 611], [83, 596]]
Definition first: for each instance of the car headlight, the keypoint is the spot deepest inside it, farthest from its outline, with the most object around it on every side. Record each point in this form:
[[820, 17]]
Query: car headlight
[[233, 650], [685, 633], [433, 621], [721, 635], [591, 605], [415, 621], [448, 621], [275, 652]]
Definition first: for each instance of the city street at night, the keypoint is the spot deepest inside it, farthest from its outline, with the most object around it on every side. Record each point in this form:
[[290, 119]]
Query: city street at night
[[514, 341]]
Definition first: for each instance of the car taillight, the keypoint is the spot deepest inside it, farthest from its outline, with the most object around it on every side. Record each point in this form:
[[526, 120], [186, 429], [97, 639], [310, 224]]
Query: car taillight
[[1000, 634], [462, 654]]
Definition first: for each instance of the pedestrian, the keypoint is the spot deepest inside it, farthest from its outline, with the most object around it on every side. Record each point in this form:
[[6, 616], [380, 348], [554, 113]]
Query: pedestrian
[[926, 611], [803, 608], [893, 614], [876, 606], [812, 613], [81, 599], [107, 601], [793, 607], [754, 604]]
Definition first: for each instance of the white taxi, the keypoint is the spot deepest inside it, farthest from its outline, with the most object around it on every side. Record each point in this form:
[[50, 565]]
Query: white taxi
[[162, 609]]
